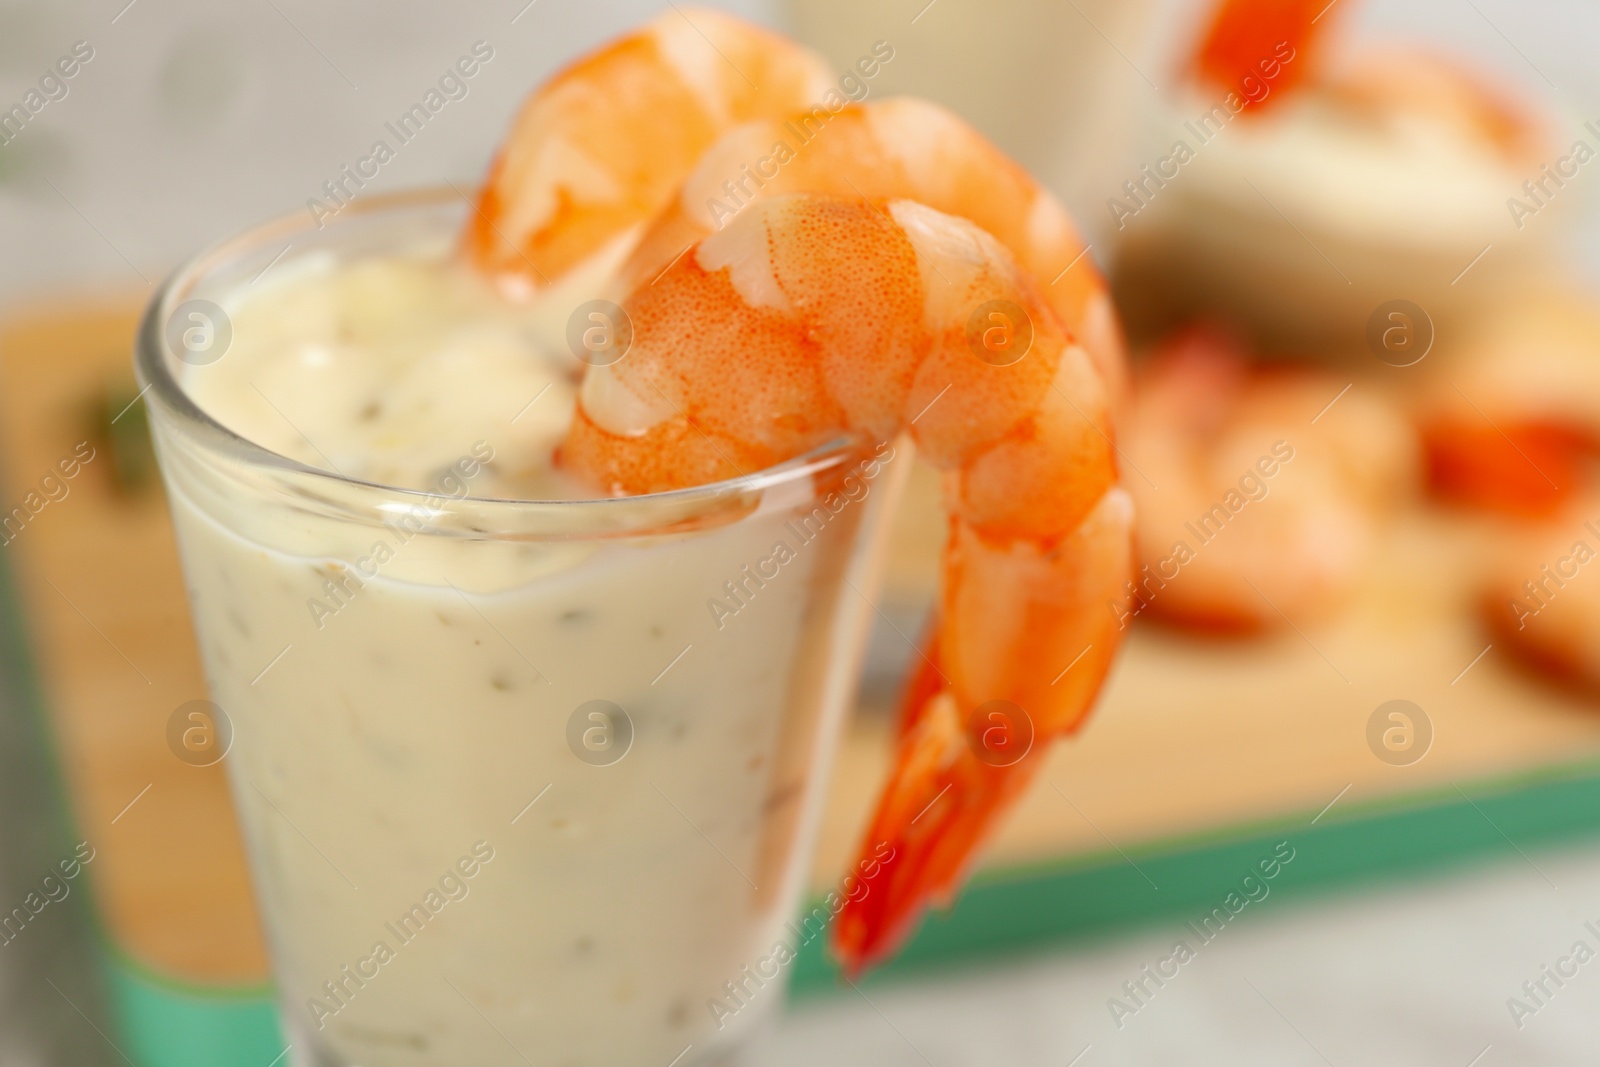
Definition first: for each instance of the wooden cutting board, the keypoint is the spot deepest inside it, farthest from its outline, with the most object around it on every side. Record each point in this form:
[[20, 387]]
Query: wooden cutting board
[[97, 569], [1192, 739], [1195, 737]]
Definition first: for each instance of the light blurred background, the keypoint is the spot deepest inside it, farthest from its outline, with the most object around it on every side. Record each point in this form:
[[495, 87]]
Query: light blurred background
[[194, 120]]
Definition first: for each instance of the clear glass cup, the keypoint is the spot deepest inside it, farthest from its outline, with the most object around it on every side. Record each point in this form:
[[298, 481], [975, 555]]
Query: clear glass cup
[[519, 781]]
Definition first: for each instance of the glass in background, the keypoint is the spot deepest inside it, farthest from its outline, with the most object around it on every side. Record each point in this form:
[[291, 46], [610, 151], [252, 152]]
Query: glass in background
[[1053, 84]]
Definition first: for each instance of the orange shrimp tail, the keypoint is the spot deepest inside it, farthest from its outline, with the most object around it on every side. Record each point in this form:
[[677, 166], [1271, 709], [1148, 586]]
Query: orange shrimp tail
[[964, 760], [936, 809], [1261, 49]]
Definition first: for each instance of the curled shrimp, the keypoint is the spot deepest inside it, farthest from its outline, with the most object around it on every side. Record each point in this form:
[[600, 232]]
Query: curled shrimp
[[1259, 491], [807, 316], [599, 148], [901, 147]]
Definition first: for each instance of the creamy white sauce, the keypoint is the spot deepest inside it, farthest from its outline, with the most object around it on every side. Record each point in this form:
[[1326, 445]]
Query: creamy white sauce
[[406, 728], [388, 371], [1409, 182]]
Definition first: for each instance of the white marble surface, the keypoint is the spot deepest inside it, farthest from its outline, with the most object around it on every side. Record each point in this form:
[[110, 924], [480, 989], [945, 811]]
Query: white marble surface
[[1405, 974], [197, 118]]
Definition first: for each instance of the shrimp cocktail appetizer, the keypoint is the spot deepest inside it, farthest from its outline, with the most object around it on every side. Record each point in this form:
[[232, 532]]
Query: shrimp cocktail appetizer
[[1393, 161], [531, 546]]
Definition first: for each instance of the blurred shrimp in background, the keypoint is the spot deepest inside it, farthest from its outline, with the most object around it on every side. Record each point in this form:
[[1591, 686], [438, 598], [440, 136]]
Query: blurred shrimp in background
[[1512, 420], [1512, 433], [1209, 437]]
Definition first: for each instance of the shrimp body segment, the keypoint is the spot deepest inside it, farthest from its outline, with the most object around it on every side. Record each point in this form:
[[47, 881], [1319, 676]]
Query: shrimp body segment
[[807, 317], [897, 148], [598, 149]]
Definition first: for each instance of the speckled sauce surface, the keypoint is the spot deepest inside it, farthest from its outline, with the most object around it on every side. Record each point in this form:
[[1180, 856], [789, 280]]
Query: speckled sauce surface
[[455, 864]]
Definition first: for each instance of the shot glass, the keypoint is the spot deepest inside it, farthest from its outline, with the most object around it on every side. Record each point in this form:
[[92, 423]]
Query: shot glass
[[520, 781]]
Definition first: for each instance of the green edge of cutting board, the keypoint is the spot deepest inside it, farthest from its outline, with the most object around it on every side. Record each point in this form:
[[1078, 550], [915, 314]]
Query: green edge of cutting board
[[166, 1023], [1018, 909]]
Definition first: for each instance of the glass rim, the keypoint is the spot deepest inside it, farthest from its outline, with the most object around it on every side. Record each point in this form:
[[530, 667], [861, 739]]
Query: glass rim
[[155, 372]]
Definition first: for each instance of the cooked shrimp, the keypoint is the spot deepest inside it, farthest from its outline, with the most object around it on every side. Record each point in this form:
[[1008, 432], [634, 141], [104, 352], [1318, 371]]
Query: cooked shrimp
[[1541, 599], [899, 148], [1257, 500], [809, 316], [1515, 426], [600, 148], [1247, 39]]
